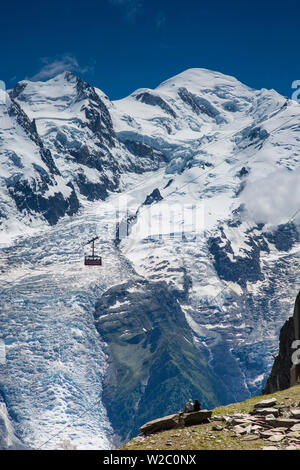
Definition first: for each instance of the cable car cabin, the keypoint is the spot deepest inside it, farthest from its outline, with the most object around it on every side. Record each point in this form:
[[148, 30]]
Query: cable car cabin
[[92, 260]]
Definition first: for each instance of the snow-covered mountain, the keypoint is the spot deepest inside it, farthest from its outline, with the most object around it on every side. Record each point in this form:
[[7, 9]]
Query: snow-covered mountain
[[193, 190], [30, 180], [75, 124]]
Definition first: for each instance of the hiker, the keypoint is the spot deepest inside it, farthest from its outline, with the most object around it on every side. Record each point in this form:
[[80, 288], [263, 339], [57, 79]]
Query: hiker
[[197, 405], [189, 406]]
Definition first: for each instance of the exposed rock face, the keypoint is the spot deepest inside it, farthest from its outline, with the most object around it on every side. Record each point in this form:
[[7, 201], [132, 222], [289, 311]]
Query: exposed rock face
[[160, 424], [32, 183], [266, 411], [176, 421], [52, 207], [266, 403], [284, 373], [155, 100], [155, 196], [197, 417], [236, 268]]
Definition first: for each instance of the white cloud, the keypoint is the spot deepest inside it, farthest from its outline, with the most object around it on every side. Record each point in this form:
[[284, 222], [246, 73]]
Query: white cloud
[[55, 66], [273, 199]]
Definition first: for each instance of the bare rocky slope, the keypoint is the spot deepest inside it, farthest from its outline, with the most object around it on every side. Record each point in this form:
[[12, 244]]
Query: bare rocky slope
[[270, 422]]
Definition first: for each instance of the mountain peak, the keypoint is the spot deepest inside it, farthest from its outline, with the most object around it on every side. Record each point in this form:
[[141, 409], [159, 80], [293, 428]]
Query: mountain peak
[[200, 77]]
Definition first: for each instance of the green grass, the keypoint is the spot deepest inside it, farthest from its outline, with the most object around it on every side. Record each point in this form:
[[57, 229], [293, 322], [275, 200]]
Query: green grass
[[203, 437]]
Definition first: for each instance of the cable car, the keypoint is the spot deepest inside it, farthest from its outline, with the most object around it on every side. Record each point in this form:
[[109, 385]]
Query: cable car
[[92, 260]]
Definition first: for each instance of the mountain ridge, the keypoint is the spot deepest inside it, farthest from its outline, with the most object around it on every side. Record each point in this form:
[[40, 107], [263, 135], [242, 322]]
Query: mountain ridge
[[184, 186]]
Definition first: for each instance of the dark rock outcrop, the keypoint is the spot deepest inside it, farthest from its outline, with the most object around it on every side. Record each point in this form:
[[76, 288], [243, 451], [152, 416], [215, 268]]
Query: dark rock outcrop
[[155, 196], [29, 127], [142, 150], [200, 105], [160, 424], [284, 237], [196, 417], [234, 268], [32, 200], [178, 420], [39, 194], [155, 100], [284, 373]]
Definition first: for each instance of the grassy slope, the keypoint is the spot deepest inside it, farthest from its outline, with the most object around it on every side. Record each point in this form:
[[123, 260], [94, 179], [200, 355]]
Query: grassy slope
[[203, 437]]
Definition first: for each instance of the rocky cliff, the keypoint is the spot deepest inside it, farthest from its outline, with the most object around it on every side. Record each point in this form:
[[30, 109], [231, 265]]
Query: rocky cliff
[[285, 373]]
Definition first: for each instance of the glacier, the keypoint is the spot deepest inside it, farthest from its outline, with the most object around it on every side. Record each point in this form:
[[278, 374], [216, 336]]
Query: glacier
[[192, 190]]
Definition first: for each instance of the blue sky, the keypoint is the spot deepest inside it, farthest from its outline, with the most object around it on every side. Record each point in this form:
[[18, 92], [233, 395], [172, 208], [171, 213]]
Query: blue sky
[[122, 45]]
